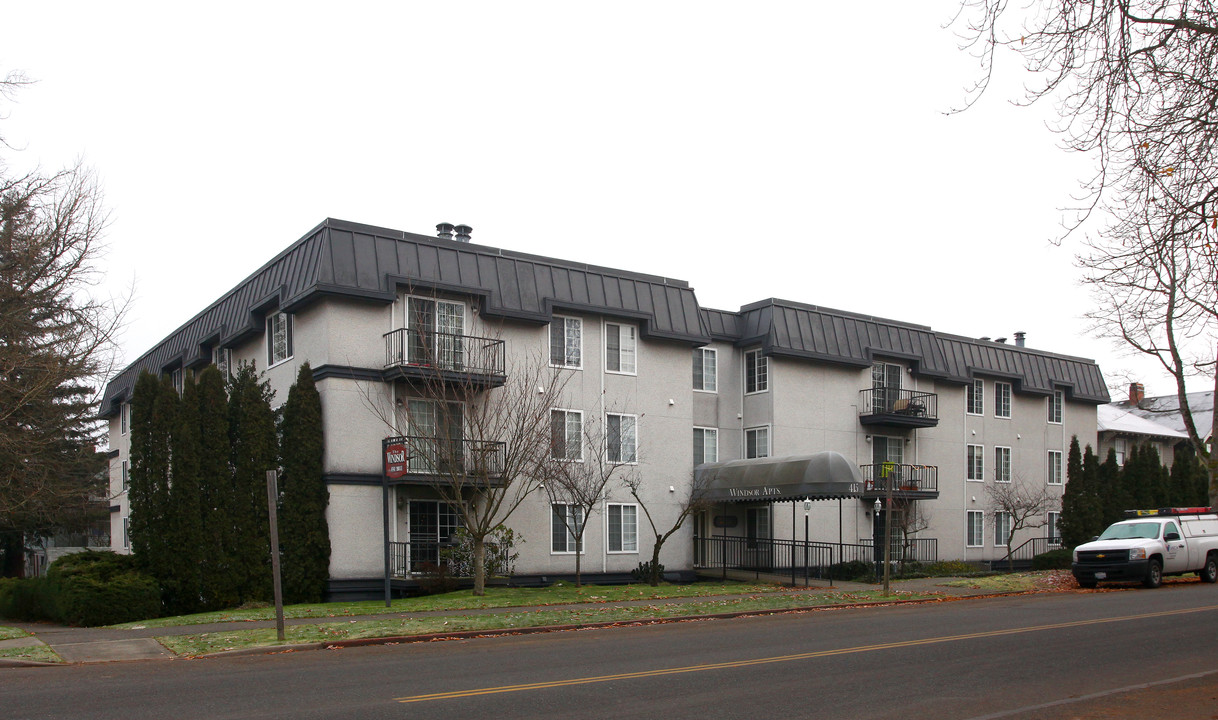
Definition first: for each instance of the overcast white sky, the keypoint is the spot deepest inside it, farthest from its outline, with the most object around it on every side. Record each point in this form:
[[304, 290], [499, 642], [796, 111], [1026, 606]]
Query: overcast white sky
[[765, 149]]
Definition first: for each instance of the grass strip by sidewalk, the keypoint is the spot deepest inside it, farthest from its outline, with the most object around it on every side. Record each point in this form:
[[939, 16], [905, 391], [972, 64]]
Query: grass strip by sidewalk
[[10, 633], [496, 597], [356, 629], [37, 653]]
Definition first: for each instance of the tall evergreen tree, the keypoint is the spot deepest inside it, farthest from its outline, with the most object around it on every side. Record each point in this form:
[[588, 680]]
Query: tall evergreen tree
[[1189, 480], [1081, 505], [153, 410], [255, 449], [1116, 499], [183, 585], [218, 538], [304, 534]]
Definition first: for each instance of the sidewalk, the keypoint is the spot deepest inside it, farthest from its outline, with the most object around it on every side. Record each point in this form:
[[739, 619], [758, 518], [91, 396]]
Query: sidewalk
[[95, 645]]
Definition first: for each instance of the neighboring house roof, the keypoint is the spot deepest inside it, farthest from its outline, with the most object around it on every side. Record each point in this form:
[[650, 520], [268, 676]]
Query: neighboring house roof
[[782, 327], [1165, 410], [339, 258], [1111, 418]]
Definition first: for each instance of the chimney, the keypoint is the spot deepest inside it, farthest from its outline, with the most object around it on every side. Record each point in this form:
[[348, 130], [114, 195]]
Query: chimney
[[1019, 338], [444, 231], [1001, 340], [462, 232], [1136, 393]]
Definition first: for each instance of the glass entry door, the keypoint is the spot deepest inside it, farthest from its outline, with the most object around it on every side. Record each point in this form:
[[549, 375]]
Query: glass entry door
[[432, 524], [436, 333]]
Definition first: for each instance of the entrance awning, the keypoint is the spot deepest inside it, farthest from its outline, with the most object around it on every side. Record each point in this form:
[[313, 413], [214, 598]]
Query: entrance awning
[[822, 476]]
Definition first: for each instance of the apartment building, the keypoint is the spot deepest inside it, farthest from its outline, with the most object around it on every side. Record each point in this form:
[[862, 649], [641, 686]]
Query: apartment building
[[936, 417]]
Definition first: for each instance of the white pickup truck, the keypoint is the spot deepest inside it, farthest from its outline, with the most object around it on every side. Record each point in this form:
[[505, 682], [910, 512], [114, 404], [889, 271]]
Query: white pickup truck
[[1151, 544]]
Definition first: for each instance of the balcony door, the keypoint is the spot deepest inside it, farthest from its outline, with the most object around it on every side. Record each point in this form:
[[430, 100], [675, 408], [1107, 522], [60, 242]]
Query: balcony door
[[432, 524], [887, 455], [436, 432], [886, 386], [436, 330]]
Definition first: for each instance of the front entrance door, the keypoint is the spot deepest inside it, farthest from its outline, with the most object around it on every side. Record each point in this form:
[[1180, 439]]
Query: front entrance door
[[432, 524]]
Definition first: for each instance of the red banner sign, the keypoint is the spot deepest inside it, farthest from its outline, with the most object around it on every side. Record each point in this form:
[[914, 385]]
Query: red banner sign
[[395, 461]]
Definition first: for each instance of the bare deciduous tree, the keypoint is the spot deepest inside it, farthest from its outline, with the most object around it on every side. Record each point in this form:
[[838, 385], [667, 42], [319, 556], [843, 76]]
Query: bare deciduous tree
[[1135, 84], [1024, 503], [664, 528]]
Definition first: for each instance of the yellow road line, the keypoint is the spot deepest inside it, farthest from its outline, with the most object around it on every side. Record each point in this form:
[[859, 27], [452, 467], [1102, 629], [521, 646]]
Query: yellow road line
[[788, 658]]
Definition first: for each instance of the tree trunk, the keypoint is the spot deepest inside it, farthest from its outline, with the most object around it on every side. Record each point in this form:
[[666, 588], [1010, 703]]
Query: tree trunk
[[579, 542], [653, 578], [12, 545], [479, 564]]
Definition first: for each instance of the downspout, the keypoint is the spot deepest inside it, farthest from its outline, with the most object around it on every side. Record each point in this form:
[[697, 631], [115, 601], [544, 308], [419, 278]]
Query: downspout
[[602, 420]]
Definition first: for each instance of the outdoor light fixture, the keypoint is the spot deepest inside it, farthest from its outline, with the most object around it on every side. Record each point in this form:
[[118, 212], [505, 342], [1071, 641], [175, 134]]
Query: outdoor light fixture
[[807, 504], [877, 506], [672, 488], [868, 438]]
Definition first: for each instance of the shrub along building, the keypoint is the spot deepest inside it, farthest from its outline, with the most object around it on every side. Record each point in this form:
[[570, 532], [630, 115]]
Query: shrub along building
[[382, 316]]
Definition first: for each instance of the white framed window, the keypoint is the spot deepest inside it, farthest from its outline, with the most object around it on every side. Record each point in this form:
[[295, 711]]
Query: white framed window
[[278, 338], [565, 519], [1002, 464], [974, 528], [756, 372], [621, 348], [1055, 467], [757, 442], [124, 418], [1002, 529], [566, 342], [222, 358], [566, 434], [706, 445], [1055, 407], [974, 397], [125, 471], [176, 378], [127, 532], [1119, 446], [1052, 526], [975, 461], [1002, 400], [623, 527], [706, 361], [621, 435]]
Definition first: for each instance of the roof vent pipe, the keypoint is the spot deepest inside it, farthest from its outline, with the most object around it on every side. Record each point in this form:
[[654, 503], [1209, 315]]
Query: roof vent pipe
[[984, 339], [1001, 340], [462, 232], [444, 231], [1019, 338]]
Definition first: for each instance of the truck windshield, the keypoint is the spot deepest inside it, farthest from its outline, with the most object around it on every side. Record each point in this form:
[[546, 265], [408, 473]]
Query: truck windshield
[[1126, 531]]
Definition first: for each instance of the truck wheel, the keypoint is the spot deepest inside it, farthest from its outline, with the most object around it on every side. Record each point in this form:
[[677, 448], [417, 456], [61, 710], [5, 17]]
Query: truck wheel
[[1154, 574], [1209, 573]]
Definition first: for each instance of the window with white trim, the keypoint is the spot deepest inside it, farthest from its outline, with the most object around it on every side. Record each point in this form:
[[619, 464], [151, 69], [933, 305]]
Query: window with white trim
[[1118, 445], [1052, 526], [621, 435], [1055, 407], [127, 532], [222, 358], [566, 342], [757, 442], [1002, 529], [974, 528], [974, 397], [1002, 400], [124, 418], [125, 471], [566, 435], [623, 521], [756, 372], [565, 519], [621, 343], [1055, 467], [975, 461], [1002, 464], [706, 361], [278, 338], [706, 445], [176, 379]]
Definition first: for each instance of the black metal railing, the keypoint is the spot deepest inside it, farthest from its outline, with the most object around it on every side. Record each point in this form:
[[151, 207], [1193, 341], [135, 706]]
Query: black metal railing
[[901, 477], [802, 559], [446, 352], [429, 455], [414, 557], [1023, 553], [899, 406]]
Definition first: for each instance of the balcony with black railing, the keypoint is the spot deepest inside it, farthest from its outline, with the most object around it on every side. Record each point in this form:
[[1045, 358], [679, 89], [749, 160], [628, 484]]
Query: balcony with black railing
[[438, 459], [444, 358], [896, 407], [910, 482]]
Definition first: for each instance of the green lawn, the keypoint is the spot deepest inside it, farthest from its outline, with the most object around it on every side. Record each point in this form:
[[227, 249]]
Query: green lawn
[[8, 633], [37, 653], [769, 598], [496, 597]]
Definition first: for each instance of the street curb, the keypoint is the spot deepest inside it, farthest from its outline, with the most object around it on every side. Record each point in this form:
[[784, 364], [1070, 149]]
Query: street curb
[[13, 662], [468, 634]]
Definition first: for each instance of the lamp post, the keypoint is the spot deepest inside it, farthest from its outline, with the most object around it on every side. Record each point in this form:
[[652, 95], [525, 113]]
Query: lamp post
[[887, 532], [807, 508], [877, 506]]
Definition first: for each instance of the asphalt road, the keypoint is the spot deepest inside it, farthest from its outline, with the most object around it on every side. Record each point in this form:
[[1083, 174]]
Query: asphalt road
[[1020, 657]]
